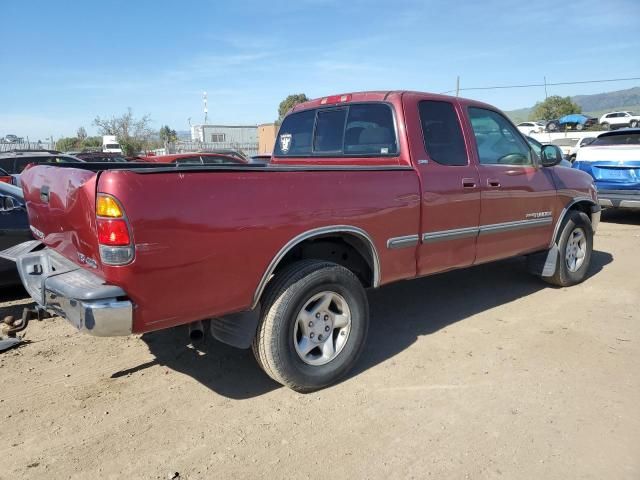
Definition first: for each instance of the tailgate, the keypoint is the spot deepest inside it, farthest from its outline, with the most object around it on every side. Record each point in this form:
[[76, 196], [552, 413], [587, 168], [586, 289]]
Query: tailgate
[[61, 207]]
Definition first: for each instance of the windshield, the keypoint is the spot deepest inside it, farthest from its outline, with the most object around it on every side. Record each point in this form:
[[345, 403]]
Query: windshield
[[618, 138]]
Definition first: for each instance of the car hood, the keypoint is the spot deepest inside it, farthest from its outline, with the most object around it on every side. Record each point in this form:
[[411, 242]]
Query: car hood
[[606, 153]]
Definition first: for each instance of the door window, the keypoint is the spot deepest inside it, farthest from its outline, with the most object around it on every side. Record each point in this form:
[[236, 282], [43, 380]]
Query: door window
[[498, 142], [442, 134]]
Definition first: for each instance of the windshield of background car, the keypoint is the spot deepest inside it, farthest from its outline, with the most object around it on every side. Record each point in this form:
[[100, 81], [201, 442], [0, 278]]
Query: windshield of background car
[[360, 129], [22, 162], [113, 146], [619, 138], [565, 142]]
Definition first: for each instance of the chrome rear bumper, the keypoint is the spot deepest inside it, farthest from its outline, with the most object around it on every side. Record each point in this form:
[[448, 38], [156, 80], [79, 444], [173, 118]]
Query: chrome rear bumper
[[63, 288]]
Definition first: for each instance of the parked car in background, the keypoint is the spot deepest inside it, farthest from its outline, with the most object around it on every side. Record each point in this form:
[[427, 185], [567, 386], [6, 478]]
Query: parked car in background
[[6, 177], [575, 121], [101, 157], [615, 120], [199, 158], [14, 162], [14, 229], [363, 190], [527, 128], [570, 146], [613, 160], [11, 138], [537, 147]]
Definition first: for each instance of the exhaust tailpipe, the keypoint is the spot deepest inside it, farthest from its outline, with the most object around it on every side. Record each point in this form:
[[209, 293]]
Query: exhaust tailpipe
[[196, 330]]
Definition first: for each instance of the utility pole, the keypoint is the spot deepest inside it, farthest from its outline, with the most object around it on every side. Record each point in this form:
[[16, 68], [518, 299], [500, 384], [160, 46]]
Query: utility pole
[[206, 109], [458, 86], [545, 87]]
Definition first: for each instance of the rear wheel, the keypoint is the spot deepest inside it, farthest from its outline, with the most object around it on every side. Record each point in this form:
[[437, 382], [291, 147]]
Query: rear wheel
[[606, 126], [313, 327], [575, 247], [579, 126], [633, 123]]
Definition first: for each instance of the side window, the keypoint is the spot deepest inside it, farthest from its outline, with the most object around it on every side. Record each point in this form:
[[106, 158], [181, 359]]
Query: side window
[[442, 134], [189, 161], [370, 130], [497, 140], [294, 137], [329, 130], [356, 129]]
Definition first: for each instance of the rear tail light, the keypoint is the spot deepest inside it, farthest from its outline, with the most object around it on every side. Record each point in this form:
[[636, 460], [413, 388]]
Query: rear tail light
[[335, 99], [114, 237], [5, 179]]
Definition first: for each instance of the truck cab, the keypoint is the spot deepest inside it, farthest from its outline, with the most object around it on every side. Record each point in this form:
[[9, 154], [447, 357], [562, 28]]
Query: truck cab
[[110, 144]]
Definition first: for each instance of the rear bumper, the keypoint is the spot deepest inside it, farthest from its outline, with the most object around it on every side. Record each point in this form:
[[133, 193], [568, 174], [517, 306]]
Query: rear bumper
[[81, 297], [619, 198]]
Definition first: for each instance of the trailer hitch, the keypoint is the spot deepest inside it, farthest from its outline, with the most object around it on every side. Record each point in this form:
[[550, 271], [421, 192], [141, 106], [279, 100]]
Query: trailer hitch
[[13, 325]]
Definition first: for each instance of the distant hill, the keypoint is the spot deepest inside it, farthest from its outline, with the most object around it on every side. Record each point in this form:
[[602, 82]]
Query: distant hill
[[594, 105]]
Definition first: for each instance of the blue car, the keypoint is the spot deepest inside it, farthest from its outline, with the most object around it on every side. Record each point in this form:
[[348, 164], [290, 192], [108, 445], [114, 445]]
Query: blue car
[[574, 121], [613, 160]]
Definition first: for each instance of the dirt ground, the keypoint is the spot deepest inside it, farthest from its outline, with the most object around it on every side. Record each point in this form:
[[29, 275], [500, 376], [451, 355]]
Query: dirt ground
[[483, 373]]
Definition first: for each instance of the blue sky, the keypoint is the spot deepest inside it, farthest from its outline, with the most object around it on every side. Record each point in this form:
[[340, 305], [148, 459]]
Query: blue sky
[[65, 62]]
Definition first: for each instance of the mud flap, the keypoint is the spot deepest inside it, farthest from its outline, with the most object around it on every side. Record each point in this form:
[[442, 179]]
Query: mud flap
[[237, 329], [544, 263]]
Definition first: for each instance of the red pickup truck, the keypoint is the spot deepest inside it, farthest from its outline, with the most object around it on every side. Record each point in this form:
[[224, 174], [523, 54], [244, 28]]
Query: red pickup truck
[[363, 189]]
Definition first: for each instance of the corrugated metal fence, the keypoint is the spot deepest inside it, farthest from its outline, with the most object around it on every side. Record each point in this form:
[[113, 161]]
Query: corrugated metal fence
[[7, 147]]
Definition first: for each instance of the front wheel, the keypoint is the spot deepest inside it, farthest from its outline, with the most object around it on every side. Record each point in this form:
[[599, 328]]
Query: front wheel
[[606, 126], [633, 123], [313, 327], [575, 247]]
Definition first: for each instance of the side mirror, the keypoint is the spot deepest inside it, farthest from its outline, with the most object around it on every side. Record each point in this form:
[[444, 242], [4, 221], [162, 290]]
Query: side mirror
[[550, 156]]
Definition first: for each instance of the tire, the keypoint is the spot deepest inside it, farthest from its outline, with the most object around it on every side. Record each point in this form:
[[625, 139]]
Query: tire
[[285, 327], [633, 123], [552, 126], [606, 126], [567, 272], [579, 126]]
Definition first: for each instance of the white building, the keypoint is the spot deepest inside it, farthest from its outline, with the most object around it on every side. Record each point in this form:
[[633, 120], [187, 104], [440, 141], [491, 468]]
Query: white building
[[225, 135]]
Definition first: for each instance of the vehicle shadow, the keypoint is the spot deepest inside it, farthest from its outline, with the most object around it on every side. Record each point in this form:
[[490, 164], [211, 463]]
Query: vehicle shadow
[[621, 216], [400, 313]]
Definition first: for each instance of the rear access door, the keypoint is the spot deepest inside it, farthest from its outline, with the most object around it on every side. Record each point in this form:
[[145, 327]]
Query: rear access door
[[449, 183]]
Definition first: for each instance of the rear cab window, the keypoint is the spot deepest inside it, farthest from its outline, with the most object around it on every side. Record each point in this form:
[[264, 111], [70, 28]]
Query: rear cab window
[[352, 130]]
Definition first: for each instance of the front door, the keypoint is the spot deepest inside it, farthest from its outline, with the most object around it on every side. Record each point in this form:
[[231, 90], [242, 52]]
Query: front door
[[449, 183], [517, 194]]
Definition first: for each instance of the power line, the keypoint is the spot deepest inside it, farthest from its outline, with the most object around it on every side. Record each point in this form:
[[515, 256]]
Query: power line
[[546, 84]]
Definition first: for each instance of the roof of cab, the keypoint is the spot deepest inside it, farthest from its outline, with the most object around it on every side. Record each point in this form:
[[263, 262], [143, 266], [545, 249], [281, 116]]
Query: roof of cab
[[378, 96]]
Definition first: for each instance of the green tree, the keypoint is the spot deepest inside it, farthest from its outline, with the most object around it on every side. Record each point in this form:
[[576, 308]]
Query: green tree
[[133, 134], [167, 135], [288, 103], [554, 107], [66, 144], [82, 134]]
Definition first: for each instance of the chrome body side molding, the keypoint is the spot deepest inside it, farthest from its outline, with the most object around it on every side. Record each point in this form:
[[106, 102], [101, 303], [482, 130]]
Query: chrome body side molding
[[402, 242], [453, 234], [317, 232], [517, 225]]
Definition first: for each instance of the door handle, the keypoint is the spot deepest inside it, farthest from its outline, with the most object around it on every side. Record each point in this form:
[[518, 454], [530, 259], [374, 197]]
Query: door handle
[[468, 183], [493, 182]]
